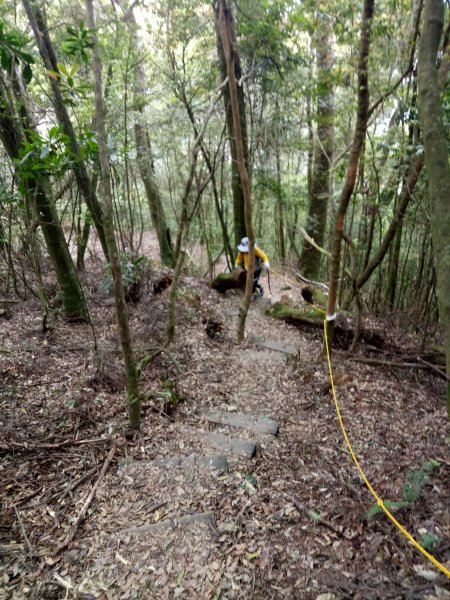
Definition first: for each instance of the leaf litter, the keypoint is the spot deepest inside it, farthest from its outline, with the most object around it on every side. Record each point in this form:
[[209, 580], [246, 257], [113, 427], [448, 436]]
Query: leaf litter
[[290, 523]]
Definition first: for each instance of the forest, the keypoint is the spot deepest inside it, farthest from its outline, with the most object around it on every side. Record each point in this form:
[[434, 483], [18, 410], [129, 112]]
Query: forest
[[224, 299]]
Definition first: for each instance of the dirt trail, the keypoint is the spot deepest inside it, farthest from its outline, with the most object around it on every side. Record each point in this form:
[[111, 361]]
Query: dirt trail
[[290, 522]]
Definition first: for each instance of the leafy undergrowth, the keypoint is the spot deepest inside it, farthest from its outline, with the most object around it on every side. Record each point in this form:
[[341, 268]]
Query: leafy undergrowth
[[293, 522]]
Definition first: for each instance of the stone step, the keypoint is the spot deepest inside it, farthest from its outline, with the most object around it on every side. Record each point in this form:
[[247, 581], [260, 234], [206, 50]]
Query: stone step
[[274, 345], [174, 463], [225, 443], [213, 461], [244, 421]]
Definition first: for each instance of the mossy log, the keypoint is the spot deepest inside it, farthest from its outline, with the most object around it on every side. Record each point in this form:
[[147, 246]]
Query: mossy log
[[230, 281], [314, 295], [311, 317]]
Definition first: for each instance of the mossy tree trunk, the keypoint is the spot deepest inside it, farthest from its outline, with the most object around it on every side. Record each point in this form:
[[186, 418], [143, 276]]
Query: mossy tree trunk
[[134, 406], [436, 161], [37, 194]]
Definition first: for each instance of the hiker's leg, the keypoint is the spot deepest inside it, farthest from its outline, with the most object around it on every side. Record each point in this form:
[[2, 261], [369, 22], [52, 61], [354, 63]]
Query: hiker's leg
[[256, 277]]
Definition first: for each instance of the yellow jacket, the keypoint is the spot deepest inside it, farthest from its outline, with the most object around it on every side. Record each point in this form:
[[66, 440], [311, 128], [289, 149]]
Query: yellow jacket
[[243, 256]]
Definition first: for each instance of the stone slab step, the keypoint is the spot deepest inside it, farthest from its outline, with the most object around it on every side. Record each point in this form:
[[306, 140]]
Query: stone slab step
[[235, 445], [213, 461], [245, 421], [273, 345], [173, 463]]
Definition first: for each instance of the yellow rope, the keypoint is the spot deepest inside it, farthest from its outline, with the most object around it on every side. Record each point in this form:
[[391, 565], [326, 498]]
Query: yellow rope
[[366, 481], [355, 460]]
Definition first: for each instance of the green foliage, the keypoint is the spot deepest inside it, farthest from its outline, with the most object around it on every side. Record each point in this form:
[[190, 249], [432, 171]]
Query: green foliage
[[72, 92], [415, 480], [87, 140], [78, 42], [11, 51], [315, 516], [429, 541], [44, 157], [132, 268], [168, 393], [389, 504]]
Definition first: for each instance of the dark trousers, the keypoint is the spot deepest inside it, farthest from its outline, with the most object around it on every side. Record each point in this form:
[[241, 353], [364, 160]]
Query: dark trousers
[[256, 277]]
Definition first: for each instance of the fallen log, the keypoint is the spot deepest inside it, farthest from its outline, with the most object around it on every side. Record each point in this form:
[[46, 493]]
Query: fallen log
[[312, 318], [229, 281]]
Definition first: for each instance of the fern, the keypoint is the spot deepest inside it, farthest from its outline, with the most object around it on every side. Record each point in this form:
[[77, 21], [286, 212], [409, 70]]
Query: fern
[[429, 541], [375, 509], [415, 480]]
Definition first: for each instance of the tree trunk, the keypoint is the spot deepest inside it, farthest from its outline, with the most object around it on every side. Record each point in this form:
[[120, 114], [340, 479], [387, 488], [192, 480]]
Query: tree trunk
[[37, 193], [405, 198], [310, 258], [144, 151], [240, 229], [352, 169], [157, 213], [48, 56], [436, 161], [134, 406], [280, 208], [211, 170], [227, 33], [394, 263]]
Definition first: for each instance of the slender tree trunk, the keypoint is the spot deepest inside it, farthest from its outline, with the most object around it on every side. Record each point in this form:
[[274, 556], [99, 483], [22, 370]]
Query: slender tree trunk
[[183, 232], [227, 33], [320, 189], [207, 158], [48, 56], [436, 161], [280, 208], [144, 150], [240, 229], [352, 169], [134, 406], [394, 263], [406, 196]]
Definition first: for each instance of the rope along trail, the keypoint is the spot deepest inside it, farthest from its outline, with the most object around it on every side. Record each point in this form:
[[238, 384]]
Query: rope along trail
[[379, 501]]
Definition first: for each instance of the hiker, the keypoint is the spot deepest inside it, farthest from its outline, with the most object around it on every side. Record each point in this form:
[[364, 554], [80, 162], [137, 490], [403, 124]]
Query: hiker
[[260, 259]]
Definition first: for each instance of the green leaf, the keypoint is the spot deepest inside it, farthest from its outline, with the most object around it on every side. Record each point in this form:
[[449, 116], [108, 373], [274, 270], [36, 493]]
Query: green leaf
[[253, 555], [25, 57], [315, 516], [62, 69], [6, 61], [27, 73], [73, 69], [180, 577]]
